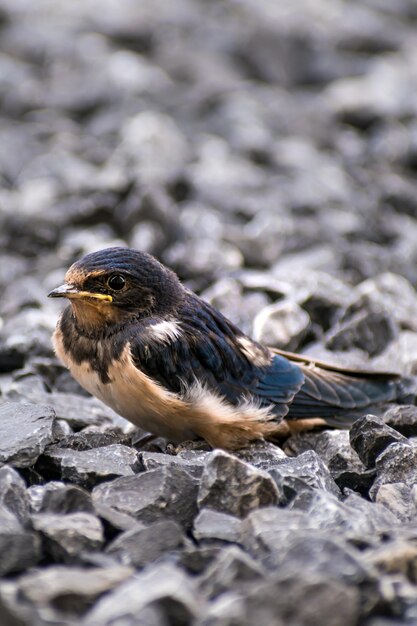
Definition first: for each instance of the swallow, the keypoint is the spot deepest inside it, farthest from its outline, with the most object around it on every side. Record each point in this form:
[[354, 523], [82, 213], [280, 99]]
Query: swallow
[[166, 360]]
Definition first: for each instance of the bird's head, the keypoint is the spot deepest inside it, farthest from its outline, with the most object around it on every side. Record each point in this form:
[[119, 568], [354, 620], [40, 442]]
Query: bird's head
[[117, 284]]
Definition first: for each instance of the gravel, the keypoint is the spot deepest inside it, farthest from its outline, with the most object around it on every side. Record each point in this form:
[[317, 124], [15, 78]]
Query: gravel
[[268, 156]]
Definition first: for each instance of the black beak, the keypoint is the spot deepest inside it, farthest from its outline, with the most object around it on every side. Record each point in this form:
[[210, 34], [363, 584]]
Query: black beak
[[64, 291]]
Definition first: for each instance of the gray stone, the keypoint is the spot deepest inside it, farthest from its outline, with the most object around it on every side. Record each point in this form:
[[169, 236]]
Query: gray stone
[[26, 430], [215, 525], [88, 467], [402, 419], [400, 499], [114, 518], [395, 294], [66, 537], [281, 325], [264, 531], [69, 590], [309, 468], [165, 587], [357, 518], [192, 463], [196, 559], [231, 570], [141, 546], [364, 325], [332, 446], [263, 455], [233, 486], [78, 411], [20, 548], [65, 499], [397, 464], [302, 600], [162, 493], [369, 437], [13, 494]]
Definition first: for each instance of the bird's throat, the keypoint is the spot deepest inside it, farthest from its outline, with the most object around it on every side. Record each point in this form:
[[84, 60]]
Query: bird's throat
[[94, 316]]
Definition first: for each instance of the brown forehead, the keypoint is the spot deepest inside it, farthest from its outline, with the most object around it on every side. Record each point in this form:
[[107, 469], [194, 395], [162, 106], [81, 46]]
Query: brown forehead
[[77, 276]]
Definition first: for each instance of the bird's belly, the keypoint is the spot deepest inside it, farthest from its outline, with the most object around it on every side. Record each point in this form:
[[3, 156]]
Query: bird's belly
[[132, 394]]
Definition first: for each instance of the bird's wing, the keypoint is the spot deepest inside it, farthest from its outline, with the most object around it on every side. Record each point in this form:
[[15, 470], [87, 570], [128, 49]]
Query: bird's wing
[[208, 351], [329, 391]]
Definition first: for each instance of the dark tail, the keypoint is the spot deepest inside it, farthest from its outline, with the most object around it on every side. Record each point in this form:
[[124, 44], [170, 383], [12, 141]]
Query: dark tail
[[339, 396]]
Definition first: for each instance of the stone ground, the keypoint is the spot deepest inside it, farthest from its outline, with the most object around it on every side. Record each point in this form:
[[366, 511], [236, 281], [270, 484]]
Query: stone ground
[[267, 152]]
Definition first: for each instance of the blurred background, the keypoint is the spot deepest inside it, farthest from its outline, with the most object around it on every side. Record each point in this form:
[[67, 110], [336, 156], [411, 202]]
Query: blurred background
[[266, 151]]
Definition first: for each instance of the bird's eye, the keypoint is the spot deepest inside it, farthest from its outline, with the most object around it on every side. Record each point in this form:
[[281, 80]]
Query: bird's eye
[[116, 282]]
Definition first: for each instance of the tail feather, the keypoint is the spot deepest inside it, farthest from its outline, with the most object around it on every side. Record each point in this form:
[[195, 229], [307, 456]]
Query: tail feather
[[339, 395]]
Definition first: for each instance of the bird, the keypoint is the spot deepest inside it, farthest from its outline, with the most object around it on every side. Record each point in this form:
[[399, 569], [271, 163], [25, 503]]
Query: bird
[[166, 360]]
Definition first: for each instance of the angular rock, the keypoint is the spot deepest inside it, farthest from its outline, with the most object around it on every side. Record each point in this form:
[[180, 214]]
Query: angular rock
[[66, 537], [263, 455], [162, 493], [369, 437], [309, 553], [65, 499], [76, 410], [26, 430], [214, 525], [232, 570], [164, 587], [70, 590], [403, 419], [232, 486], [400, 499], [192, 463], [19, 548], [88, 467], [139, 547], [309, 468], [265, 530], [13, 494], [397, 464], [114, 520], [332, 446], [281, 325], [357, 518]]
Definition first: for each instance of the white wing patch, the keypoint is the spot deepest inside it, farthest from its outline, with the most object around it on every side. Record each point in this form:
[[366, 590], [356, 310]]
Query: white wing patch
[[164, 332]]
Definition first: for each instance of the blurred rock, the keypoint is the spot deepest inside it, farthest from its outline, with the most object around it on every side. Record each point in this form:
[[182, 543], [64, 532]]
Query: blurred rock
[[69, 590], [363, 325], [19, 548], [212, 525], [402, 419], [281, 325], [232, 570], [13, 494], [56, 497], [166, 588], [139, 547], [68, 536], [400, 499]]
